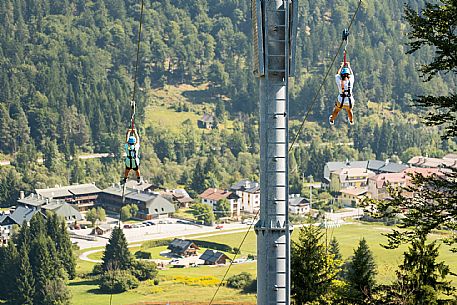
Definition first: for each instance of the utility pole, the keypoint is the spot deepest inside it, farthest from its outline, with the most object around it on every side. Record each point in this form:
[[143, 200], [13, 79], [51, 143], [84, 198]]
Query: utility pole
[[274, 37]]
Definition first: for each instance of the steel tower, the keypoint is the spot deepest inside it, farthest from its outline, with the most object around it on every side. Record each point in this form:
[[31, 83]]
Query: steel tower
[[274, 30]]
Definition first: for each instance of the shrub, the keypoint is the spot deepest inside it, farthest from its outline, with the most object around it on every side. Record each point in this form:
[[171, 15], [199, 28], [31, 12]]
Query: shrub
[[143, 255], [156, 282], [156, 243], [236, 251], [213, 245], [97, 270], [239, 281], [117, 281], [143, 270]]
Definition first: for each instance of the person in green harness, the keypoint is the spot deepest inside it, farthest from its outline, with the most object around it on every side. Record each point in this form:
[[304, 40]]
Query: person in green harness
[[132, 159]]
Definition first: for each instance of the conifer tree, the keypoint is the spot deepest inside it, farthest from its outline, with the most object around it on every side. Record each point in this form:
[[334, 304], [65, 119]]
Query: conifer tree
[[117, 255], [312, 269], [361, 273], [334, 248], [25, 282]]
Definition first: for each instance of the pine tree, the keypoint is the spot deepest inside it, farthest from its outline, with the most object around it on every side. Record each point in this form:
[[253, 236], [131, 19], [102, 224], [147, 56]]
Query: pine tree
[[361, 273], [117, 255], [25, 282], [312, 270], [334, 248], [435, 26]]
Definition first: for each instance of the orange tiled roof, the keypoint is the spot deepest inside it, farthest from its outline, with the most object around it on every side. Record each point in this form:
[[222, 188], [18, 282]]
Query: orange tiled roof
[[215, 194]]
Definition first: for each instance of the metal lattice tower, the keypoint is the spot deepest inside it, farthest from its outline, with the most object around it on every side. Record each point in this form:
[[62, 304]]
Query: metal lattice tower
[[274, 31]]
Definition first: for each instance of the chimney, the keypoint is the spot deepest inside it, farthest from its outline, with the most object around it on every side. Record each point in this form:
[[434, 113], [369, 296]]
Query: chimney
[[33, 195], [21, 195], [387, 161]]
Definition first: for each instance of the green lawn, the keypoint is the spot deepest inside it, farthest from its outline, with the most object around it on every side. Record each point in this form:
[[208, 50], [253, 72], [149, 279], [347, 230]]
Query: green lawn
[[176, 283]]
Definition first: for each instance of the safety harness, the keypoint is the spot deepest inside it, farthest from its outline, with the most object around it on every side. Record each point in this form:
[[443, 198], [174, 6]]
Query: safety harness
[[131, 155], [346, 93]]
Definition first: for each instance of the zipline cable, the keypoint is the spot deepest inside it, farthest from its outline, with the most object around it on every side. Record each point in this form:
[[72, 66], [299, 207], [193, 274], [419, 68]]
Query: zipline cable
[[234, 257], [135, 77], [132, 115], [308, 111]]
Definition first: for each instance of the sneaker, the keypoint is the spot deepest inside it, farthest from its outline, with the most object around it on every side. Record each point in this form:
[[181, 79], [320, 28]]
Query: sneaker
[[351, 122], [332, 122], [139, 180], [123, 181]]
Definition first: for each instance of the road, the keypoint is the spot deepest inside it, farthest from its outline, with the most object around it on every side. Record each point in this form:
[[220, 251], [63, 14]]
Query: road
[[81, 157]]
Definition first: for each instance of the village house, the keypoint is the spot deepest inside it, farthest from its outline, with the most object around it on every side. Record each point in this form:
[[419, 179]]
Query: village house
[[7, 221], [450, 160], [349, 178], [212, 257], [299, 205], [183, 248], [377, 185], [207, 121], [376, 166], [212, 196], [64, 210], [249, 192], [151, 205], [178, 196], [353, 197], [82, 196]]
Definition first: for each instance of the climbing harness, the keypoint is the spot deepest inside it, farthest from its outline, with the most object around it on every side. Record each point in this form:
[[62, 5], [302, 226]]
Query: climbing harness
[[346, 93]]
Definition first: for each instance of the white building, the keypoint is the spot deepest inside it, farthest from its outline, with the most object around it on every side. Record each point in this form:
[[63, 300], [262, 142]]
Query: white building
[[212, 196], [249, 191], [298, 205]]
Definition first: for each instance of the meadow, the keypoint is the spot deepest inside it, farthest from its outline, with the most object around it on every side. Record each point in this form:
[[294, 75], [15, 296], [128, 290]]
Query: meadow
[[200, 283]]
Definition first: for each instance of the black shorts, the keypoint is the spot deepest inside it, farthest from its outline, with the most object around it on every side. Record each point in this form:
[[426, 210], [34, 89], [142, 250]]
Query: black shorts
[[134, 168]]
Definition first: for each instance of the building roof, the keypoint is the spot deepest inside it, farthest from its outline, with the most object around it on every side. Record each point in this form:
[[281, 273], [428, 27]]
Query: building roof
[[423, 171], [212, 256], [150, 199], [22, 214], [420, 161], [64, 209], [33, 200], [347, 173], [217, 194], [391, 167], [208, 118], [452, 156], [382, 180], [181, 245], [354, 191], [334, 166], [133, 184], [375, 165], [247, 186], [68, 191], [297, 200]]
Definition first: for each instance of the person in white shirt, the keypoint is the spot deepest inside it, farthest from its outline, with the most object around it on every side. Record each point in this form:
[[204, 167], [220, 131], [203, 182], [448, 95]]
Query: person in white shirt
[[345, 82], [132, 159]]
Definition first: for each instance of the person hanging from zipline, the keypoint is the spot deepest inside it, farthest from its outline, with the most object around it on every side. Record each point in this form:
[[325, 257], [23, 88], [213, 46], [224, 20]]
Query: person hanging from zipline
[[345, 82], [132, 159]]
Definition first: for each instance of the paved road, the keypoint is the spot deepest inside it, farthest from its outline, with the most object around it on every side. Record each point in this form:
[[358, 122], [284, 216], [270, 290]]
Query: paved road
[[85, 255], [81, 157]]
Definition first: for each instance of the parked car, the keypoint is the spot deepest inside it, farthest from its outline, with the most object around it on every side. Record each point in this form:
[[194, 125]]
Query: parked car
[[127, 226], [219, 227]]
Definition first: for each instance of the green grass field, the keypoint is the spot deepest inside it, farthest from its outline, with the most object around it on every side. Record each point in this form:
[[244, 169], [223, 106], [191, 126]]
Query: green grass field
[[178, 284]]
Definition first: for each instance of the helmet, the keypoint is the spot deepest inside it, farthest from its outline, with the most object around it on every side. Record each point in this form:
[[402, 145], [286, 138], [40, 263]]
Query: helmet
[[345, 71], [131, 140]]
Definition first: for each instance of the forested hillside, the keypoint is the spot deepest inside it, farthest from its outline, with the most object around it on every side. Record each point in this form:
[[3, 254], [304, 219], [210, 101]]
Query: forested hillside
[[66, 80]]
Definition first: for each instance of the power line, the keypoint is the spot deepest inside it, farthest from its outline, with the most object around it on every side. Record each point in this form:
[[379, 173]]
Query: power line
[[323, 82]]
